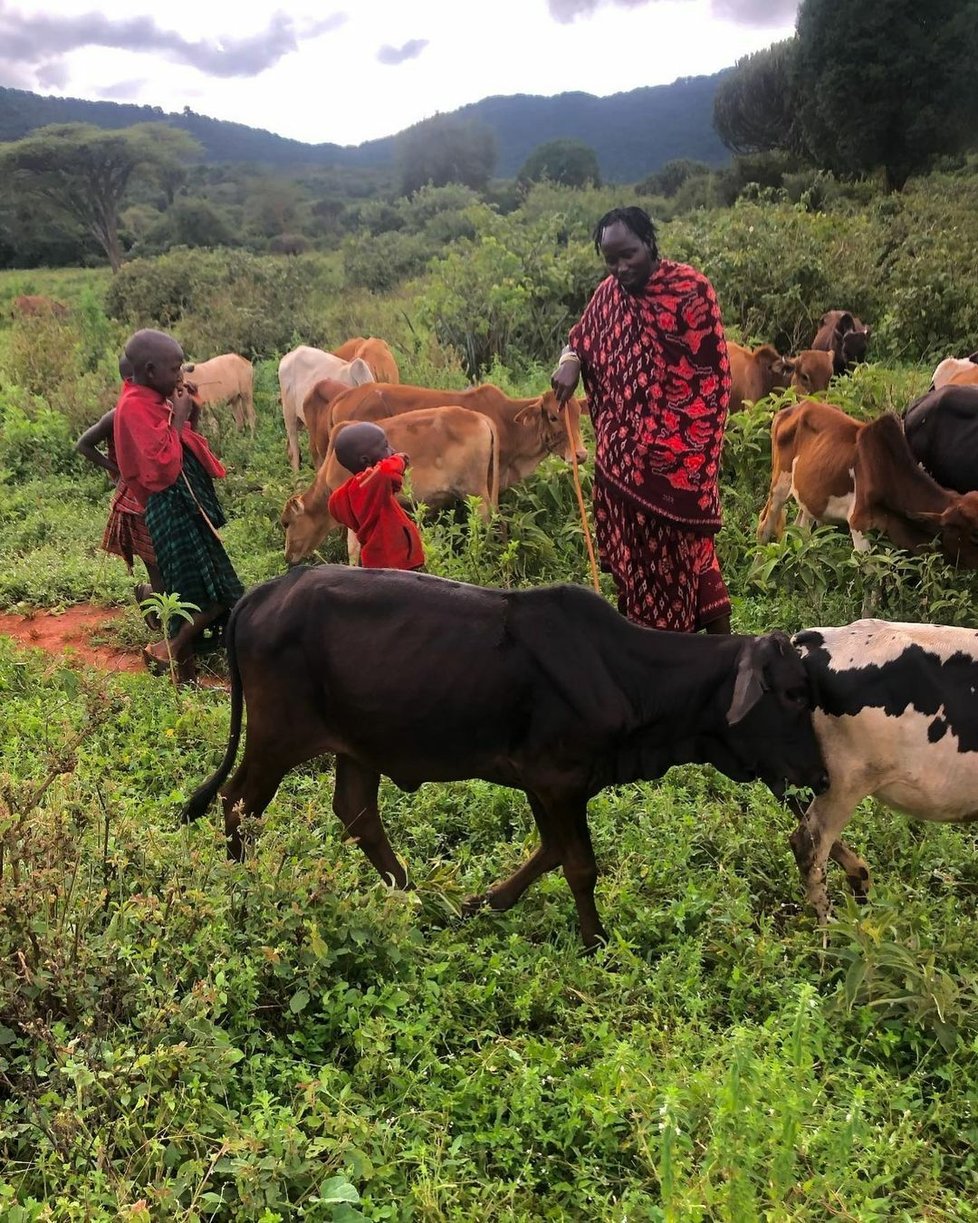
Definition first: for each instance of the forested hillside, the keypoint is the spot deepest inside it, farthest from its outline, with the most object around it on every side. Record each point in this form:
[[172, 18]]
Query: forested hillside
[[634, 133]]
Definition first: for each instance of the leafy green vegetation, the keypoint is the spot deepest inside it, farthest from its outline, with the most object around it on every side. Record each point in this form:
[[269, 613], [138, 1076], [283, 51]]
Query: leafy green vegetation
[[184, 1037]]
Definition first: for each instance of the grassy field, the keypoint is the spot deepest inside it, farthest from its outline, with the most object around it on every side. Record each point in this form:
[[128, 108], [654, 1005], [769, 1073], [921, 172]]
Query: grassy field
[[186, 1038]]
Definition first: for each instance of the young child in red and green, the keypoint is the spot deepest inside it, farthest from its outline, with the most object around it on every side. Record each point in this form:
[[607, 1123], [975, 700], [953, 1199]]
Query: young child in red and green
[[367, 503]]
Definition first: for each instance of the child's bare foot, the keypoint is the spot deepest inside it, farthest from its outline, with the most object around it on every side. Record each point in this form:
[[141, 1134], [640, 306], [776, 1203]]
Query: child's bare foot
[[156, 658]]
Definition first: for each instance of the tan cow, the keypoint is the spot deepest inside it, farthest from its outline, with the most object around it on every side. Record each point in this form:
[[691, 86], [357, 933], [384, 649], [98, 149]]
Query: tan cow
[[301, 369], [453, 453], [36, 305], [225, 379], [951, 366], [841, 470], [754, 373], [528, 429], [964, 377], [377, 355]]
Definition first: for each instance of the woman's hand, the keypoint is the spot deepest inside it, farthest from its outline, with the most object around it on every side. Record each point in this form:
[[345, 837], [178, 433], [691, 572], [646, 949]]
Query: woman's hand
[[565, 376]]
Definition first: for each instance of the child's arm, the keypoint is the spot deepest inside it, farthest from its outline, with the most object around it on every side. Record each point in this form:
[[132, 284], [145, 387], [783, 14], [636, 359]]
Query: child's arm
[[89, 442]]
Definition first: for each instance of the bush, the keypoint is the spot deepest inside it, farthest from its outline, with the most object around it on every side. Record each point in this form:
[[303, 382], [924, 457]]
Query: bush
[[381, 263]]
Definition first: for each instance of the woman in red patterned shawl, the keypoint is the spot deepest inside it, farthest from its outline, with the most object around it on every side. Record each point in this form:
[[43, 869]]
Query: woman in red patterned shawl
[[651, 349]]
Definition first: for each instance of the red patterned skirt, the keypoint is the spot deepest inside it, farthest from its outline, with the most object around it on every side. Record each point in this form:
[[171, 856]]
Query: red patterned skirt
[[667, 576], [126, 536]]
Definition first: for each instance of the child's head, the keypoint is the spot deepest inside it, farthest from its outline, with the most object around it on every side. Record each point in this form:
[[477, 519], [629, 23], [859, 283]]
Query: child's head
[[360, 445], [156, 359]]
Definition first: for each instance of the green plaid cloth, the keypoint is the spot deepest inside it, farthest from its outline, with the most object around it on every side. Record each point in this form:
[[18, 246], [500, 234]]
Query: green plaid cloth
[[191, 559]]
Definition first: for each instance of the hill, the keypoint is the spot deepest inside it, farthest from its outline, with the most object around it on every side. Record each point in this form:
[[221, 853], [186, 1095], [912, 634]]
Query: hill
[[633, 133]]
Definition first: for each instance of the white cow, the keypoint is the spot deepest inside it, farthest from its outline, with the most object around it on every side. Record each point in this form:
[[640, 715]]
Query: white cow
[[895, 710], [298, 372]]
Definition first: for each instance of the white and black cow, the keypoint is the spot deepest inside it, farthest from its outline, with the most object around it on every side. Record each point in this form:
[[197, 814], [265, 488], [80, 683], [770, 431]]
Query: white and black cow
[[896, 715], [549, 691]]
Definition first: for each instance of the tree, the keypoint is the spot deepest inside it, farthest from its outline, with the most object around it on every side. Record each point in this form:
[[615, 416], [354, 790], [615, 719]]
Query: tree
[[571, 162], [886, 83], [670, 177], [85, 172], [446, 150], [754, 108]]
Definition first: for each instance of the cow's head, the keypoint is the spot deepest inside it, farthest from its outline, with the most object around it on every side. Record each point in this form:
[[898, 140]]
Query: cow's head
[[769, 729], [809, 371], [854, 344], [958, 530], [560, 427], [305, 529]]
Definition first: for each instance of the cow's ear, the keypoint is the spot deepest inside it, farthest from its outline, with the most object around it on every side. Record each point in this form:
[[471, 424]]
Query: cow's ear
[[523, 415], [291, 510], [845, 324], [749, 685], [583, 407]]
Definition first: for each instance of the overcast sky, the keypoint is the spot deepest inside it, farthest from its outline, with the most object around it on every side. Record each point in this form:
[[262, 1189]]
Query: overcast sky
[[351, 70]]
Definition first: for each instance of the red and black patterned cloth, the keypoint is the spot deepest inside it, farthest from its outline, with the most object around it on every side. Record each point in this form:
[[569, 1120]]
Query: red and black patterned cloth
[[657, 379]]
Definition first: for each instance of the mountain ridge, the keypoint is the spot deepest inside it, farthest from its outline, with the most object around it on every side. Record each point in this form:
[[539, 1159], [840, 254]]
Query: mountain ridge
[[633, 132]]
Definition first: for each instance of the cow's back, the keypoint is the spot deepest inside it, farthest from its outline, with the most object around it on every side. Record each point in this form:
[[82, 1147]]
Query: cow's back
[[941, 429]]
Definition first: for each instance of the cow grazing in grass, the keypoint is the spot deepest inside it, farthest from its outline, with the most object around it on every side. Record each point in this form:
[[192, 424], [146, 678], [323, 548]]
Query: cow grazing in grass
[[225, 379], [528, 429], [754, 373], [453, 454], [896, 714], [841, 470], [548, 691]]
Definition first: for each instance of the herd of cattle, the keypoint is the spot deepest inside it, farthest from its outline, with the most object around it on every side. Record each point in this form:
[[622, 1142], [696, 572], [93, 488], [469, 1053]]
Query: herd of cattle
[[549, 690]]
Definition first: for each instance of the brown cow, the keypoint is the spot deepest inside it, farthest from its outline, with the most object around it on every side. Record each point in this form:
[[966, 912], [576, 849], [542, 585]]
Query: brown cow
[[841, 470], [811, 371], [35, 305], [375, 352], [453, 453], [843, 335], [225, 379], [528, 429], [754, 373]]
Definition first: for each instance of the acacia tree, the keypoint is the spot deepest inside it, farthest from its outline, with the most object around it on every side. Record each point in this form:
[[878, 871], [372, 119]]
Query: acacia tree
[[753, 108], [446, 150], [84, 171], [571, 162], [886, 83]]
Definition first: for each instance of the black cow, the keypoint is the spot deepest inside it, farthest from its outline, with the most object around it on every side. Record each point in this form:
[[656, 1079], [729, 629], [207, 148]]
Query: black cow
[[942, 433], [845, 336], [549, 691], [896, 717]]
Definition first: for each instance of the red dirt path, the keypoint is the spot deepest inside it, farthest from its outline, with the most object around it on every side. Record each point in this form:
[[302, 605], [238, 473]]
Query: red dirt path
[[72, 630]]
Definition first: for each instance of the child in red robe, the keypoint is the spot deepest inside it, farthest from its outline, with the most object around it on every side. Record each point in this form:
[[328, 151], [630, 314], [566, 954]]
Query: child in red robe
[[367, 503]]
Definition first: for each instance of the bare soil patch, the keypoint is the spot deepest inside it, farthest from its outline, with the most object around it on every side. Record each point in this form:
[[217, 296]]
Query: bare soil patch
[[70, 632]]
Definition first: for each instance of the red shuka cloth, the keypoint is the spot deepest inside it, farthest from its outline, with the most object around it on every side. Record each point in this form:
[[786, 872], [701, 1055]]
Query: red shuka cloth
[[657, 379], [148, 449], [367, 505]]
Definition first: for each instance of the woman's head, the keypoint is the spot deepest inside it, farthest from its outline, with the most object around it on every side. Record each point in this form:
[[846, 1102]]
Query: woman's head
[[625, 240]]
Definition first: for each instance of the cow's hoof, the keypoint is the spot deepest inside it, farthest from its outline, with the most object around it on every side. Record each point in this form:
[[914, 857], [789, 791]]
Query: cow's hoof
[[475, 904]]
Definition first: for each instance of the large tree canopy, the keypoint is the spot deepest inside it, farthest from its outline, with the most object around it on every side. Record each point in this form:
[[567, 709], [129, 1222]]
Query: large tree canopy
[[84, 172], [446, 150], [753, 108], [886, 83], [571, 162]]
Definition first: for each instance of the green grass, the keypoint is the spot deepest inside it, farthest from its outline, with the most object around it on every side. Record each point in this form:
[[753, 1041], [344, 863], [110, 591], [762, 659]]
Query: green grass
[[186, 1038]]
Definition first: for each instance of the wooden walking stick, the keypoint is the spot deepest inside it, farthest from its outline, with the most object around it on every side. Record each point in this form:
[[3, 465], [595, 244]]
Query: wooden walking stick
[[580, 501]]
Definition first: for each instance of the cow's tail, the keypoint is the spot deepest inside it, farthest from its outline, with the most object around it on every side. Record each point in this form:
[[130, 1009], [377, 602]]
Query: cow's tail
[[493, 482], [205, 794]]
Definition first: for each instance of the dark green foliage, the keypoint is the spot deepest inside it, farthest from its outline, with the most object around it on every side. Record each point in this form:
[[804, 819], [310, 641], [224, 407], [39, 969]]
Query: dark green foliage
[[886, 84], [569, 162], [671, 177], [220, 301], [444, 150], [754, 108]]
